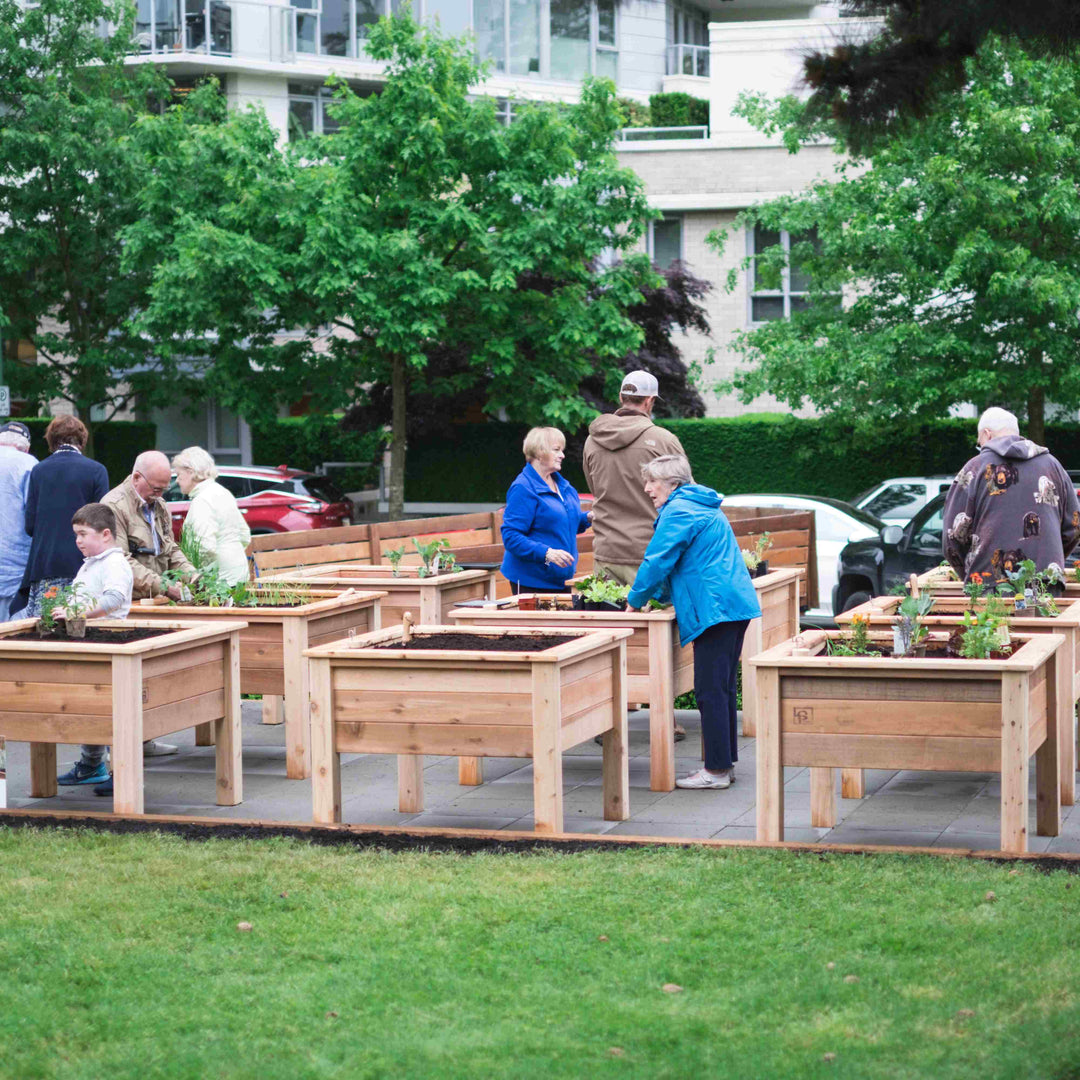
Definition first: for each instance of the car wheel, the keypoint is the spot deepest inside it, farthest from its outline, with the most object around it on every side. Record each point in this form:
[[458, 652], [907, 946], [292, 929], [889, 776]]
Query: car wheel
[[855, 599]]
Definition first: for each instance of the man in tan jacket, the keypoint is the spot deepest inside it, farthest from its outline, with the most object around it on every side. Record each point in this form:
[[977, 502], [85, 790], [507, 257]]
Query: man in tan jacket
[[143, 526], [619, 443]]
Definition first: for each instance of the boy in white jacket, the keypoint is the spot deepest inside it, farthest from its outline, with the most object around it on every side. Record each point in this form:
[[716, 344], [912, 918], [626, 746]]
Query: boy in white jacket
[[104, 580]]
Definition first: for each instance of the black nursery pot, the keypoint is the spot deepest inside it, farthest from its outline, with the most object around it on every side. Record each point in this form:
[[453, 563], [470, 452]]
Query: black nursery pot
[[603, 605], [578, 601], [762, 569]]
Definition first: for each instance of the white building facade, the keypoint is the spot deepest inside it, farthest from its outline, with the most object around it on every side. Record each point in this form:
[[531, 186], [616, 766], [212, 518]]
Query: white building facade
[[278, 56]]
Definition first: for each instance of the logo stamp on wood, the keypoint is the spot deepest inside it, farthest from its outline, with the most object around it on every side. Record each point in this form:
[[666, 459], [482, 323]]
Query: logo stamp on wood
[[802, 716]]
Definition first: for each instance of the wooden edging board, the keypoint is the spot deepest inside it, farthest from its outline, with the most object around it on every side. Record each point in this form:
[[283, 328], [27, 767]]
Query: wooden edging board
[[472, 840]]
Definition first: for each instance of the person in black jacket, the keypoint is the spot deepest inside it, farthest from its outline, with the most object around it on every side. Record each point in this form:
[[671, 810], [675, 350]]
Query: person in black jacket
[[59, 485]]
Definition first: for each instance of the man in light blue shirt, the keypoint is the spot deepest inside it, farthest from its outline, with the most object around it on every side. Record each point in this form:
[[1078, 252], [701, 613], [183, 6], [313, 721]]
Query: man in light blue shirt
[[15, 465]]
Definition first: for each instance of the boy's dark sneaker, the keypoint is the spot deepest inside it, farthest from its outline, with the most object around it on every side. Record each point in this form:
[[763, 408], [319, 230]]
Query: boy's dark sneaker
[[83, 774], [104, 788]]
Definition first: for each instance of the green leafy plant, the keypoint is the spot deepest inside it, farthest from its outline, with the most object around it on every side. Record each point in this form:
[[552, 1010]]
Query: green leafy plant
[[394, 557], [857, 642], [909, 631], [982, 634], [71, 599], [602, 590], [750, 558], [436, 556], [1028, 576]]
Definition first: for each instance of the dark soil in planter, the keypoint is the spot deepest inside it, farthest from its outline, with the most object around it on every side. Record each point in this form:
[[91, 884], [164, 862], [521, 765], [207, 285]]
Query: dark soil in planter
[[94, 636], [481, 642], [939, 650]]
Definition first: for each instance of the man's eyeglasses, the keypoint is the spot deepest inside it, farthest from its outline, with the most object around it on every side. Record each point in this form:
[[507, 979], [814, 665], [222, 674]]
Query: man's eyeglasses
[[155, 489]]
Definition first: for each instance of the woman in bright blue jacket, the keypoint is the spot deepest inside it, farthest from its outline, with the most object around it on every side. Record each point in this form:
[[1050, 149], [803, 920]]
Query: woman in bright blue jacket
[[542, 518], [694, 561]]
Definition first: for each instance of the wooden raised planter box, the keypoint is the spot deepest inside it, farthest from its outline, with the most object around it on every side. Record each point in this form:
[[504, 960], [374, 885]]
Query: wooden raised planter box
[[658, 668], [778, 596], [272, 648], [429, 599], [120, 695], [859, 712], [946, 616], [412, 702]]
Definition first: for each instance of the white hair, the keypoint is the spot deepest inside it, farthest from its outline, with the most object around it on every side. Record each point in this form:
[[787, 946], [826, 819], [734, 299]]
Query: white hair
[[671, 467], [198, 461], [999, 422], [13, 438]]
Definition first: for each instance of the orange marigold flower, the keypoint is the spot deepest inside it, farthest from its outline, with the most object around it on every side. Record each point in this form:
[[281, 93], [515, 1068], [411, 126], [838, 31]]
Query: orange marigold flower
[[50, 594]]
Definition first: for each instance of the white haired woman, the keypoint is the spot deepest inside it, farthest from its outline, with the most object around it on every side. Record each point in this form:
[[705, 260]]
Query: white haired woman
[[694, 560], [213, 519]]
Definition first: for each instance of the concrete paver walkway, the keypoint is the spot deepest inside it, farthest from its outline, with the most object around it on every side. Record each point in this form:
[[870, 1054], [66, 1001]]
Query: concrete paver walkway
[[910, 808]]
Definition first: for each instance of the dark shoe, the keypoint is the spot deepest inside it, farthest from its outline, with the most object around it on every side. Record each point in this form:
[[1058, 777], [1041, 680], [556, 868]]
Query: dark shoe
[[105, 788], [83, 774]]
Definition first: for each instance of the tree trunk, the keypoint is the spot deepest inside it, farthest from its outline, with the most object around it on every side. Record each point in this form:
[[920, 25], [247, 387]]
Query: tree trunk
[[1036, 409], [397, 438]]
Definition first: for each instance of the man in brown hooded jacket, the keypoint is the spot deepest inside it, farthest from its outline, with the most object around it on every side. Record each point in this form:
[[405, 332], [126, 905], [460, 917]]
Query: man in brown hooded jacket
[[619, 443]]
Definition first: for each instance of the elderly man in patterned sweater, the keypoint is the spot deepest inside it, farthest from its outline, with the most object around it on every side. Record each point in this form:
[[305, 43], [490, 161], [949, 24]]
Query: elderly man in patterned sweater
[[1011, 502]]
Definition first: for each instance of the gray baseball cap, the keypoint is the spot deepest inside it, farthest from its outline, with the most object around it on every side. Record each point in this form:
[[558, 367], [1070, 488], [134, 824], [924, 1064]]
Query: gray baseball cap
[[640, 384], [20, 429]]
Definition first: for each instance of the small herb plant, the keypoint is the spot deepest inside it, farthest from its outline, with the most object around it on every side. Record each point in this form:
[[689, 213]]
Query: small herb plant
[[909, 631], [982, 634], [436, 556], [756, 557], [857, 643], [394, 557], [1028, 576]]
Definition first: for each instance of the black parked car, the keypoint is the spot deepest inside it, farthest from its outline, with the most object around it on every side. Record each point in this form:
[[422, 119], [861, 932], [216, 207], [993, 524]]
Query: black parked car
[[871, 567]]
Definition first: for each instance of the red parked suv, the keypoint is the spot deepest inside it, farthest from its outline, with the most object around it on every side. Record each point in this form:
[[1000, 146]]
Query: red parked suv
[[273, 500]]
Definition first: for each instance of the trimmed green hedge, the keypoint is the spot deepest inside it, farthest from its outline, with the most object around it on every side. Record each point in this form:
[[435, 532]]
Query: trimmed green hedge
[[678, 110], [117, 443], [764, 452]]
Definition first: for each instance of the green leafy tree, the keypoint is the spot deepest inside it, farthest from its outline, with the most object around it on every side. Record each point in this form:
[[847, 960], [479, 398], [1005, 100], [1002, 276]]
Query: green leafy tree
[[69, 182], [422, 221], [956, 247]]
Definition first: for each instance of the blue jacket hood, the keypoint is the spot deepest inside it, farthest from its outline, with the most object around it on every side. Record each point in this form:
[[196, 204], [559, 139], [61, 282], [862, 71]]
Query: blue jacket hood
[[699, 494]]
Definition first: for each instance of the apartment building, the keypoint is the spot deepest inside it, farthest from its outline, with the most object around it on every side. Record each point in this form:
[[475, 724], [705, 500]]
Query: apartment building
[[279, 55]]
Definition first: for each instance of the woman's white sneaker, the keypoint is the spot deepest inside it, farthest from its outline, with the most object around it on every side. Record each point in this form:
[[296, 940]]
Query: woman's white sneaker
[[703, 779]]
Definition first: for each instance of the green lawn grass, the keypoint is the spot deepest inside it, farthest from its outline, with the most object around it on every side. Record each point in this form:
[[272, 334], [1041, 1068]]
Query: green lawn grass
[[122, 958]]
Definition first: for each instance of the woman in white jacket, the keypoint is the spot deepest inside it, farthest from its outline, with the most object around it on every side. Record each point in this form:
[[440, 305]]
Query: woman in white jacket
[[213, 518]]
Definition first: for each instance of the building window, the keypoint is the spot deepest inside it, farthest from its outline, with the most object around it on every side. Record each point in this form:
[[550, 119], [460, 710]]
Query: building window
[[307, 111], [552, 39], [666, 240], [776, 294]]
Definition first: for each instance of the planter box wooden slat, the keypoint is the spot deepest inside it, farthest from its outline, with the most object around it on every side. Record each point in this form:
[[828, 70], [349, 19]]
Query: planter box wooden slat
[[946, 616], [72, 691], [416, 702], [271, 652], [858, 712]]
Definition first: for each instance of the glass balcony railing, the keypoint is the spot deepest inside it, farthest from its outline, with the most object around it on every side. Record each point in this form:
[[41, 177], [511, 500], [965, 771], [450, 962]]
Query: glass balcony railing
[[688, 60], [662, 134], [239, 28]]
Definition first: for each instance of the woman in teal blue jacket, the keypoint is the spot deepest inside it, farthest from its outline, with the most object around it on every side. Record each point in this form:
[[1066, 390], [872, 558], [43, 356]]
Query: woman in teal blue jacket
[[694, 561]]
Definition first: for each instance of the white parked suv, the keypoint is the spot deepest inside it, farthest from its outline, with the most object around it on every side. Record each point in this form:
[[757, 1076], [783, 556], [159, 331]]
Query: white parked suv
[[899, 499]]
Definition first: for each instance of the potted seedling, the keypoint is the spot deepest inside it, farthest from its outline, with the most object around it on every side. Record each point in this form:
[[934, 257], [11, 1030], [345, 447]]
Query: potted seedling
[[600, 594], [755, 560], [68, 600], [909, 633], [436, 556], [394, 557]]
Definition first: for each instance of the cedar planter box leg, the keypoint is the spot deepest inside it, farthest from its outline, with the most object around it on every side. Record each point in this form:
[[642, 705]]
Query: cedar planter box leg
[[547, 750], [853, 783], [822, 798], [43, 770], [1014, 762], [470, 771], [410, 771], [616, 764], [325, 761], [225, 733], [127, 735], [1048, 782], [770, 764], [661, 714], [272, 706], [297, 695]]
